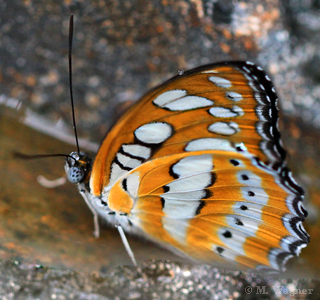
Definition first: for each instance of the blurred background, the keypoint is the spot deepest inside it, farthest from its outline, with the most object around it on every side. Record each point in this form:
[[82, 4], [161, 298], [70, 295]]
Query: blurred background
[[122, 49]]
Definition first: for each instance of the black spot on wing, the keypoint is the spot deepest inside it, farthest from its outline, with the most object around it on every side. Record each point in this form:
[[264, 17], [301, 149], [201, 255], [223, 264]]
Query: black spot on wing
[[251, 194], [213, 179], [260, 164], [166, 189], [244, 177], [124, 184], [121, 165], [163, 203], [240, 148], [238, 222], [172, 173], [243, 207], [234, 162], [208, 194], [220, 250], [130, 155], [200, 207], [227, 234]]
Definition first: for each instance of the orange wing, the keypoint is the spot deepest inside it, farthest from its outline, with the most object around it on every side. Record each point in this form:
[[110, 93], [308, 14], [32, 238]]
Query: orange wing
[[197, 165], [234, 101], [212, 204]]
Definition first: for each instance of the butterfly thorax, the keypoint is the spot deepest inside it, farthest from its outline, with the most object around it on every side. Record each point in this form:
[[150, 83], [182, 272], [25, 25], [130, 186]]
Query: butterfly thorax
[[78, 167]]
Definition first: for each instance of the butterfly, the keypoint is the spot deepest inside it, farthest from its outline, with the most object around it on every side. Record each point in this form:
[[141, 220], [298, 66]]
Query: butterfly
[[197, 166]]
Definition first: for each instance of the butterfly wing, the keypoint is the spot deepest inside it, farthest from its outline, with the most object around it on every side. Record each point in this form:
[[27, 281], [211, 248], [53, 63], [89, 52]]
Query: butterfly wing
[[197, 164], [229, 101], [214, 204]]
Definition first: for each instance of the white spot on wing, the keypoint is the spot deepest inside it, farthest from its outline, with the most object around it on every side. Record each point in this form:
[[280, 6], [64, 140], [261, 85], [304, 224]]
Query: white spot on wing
[[224, 128], [176, 209], [234, 96], [261, 130], [169, 96], [188, 102], [178, 100], [137, 150], [260, 196], [153, 133], [260, 112], [225, 252], [210, 71], [192, 183], [222, 112], [246, 69], [209, 144], [252, 210], [249, 226], [176, 228], [116, 173], [238, 110], [220, 82], [133, 182], [193, 165], [248, 178], [252, 190], [184, 196], [235, 242], [127, 161]]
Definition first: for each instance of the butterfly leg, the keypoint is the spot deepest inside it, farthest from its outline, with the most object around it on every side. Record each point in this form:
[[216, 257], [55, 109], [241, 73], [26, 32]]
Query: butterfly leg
[[96, 231], [126, 244], [51, 184]]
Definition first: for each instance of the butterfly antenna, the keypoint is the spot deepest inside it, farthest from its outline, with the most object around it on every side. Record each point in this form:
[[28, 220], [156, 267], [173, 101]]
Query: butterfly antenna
[[126, 244], [70, 80], [26, 156]]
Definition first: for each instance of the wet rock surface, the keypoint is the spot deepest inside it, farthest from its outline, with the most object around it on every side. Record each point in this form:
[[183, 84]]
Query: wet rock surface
[[153, 280]]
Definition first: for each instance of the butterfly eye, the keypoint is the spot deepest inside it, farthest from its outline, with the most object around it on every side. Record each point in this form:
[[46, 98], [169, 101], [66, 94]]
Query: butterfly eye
[[75, 174]]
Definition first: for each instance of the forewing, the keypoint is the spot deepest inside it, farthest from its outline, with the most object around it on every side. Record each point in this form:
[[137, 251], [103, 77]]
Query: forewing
[[233, 103]]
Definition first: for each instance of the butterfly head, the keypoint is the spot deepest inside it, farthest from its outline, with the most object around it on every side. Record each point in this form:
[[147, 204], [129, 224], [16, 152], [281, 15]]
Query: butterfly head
[[77, 167]]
